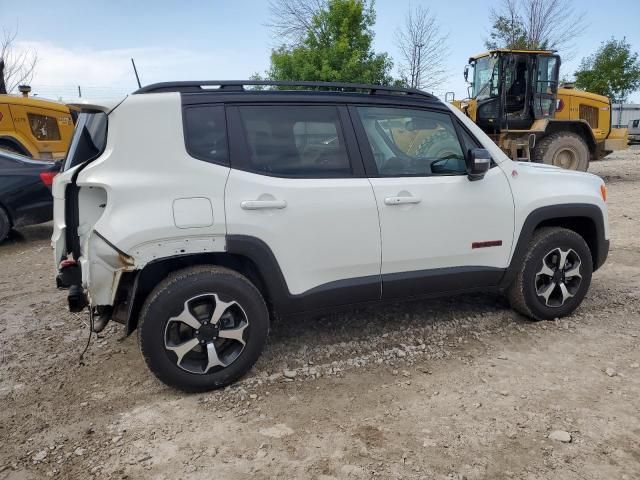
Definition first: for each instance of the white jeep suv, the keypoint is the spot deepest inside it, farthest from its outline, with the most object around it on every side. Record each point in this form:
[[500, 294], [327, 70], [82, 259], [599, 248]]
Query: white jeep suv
[[196, 211]]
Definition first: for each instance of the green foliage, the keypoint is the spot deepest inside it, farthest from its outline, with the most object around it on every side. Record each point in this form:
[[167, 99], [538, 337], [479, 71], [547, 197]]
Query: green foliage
[[339, 48], [614, 71], [507, 32]]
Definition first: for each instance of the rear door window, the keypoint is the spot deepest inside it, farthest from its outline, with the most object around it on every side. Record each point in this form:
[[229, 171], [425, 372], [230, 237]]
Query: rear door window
[[89, 139], [295, 141]]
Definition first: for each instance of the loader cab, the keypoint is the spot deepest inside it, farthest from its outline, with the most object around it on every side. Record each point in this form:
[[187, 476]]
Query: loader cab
[[513, 88]]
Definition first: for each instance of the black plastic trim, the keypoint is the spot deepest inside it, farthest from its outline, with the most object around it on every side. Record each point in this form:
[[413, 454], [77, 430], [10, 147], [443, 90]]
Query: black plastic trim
[[279, 97], [342, 292], [439, 281], [557, 212], [238, 85], [362, 290]]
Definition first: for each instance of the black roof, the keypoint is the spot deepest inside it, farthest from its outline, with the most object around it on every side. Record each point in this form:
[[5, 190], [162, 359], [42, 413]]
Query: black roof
[[226, 86]]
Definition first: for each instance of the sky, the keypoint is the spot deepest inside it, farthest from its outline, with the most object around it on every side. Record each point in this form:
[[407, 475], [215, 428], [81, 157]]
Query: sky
[[90, 43]]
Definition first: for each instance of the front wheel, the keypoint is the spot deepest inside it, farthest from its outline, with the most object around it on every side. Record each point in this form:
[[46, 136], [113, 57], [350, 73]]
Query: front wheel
[[554, 276], [202, 328], [563, 149]]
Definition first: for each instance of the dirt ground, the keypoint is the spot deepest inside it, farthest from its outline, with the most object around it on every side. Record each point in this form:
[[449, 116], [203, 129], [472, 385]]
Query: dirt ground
[[443, 389]]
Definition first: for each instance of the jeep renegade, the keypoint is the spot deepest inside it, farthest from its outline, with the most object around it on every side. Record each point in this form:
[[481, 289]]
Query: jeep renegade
[[197, 211]]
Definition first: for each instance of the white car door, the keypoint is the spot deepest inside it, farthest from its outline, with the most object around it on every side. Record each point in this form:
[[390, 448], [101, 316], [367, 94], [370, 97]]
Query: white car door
[[297, 185], [440, 231]]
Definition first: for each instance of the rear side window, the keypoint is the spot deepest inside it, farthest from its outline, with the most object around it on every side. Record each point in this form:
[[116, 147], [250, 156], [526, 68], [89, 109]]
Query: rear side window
[[295, 141], [89, 139], [206, 133], [43, 127]]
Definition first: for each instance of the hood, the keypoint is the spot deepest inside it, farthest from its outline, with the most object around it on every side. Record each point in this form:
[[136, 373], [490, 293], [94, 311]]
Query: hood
[[543, 167]]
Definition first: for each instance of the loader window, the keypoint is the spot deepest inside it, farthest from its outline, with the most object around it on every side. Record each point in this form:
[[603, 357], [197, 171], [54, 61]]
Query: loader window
[[89, 139], [546, 87], [485, 78], [43, 127]]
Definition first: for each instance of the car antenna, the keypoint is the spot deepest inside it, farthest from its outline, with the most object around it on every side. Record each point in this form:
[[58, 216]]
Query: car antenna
[[135, 70]]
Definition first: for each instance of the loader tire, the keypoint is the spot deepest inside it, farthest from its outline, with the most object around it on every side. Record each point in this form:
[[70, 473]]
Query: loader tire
[[563, 149]]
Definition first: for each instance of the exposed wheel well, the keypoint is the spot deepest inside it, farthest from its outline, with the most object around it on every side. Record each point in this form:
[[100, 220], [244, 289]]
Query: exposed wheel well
[[13, 145], [155, 271], [583, 226]]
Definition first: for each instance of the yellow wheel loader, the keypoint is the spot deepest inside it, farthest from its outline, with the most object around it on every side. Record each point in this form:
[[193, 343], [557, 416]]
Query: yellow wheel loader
[[516, 99], [34, 127]]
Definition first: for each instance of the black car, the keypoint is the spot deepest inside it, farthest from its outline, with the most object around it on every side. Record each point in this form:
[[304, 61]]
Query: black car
[[25, 191]]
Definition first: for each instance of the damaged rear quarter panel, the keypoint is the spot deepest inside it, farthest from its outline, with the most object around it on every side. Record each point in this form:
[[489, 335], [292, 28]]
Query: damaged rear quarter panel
[[142, 174]]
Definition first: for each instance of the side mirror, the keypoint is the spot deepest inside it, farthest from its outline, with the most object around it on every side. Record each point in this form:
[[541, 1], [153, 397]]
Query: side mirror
[[478, 163], [466, 73]]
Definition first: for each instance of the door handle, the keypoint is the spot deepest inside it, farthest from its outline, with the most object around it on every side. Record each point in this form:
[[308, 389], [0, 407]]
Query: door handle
[[402, 200], [263, 204]]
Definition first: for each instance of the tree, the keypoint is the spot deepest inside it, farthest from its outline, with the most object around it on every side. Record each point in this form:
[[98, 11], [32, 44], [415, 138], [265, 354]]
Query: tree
[[613, 70], [423, 49], [338, 46], [19, 65], [535, 24], [291, 20]]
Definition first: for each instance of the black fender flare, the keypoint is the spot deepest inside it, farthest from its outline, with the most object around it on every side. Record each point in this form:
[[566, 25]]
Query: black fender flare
[[560, 215]]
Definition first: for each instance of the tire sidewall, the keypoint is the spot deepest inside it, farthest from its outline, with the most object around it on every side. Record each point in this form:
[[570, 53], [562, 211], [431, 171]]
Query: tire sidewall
[[568, 140], [563, 240], [169, 303]]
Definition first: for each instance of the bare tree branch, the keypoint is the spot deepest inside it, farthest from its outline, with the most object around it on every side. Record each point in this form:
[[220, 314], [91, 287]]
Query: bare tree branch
[[423, 49], [291, 20], [19, 65], [536, 24]]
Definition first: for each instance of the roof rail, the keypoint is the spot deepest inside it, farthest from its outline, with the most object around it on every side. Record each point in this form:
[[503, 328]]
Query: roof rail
[[238, 85]]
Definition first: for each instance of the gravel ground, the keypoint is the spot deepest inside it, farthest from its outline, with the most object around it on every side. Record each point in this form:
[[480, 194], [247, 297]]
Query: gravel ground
[[443, 389]]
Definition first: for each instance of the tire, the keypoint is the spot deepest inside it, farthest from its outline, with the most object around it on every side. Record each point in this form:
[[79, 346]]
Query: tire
[[5, 224], [527, 292], [195, 294], [564, 149]]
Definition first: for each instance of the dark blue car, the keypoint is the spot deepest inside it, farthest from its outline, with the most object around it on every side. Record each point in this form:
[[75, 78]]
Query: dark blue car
[[25, 191]]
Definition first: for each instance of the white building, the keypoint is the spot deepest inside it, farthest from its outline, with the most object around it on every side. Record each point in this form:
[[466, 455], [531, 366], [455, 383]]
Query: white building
[[621, 117]]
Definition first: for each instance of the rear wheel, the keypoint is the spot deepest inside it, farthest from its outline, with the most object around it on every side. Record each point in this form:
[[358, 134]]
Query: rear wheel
[[554, 276], [202, 328], [564, 149]]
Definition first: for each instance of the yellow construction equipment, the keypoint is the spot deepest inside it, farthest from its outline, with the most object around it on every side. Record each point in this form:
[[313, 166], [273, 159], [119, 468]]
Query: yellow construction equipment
[[40, 129], [515, 97], [34, 127]]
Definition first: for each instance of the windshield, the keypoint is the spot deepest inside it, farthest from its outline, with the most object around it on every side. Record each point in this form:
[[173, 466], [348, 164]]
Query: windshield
[[485, 78], [89, 139]]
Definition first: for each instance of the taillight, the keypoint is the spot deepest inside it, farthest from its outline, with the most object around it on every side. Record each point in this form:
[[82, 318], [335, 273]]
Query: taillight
[[47, 177]]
